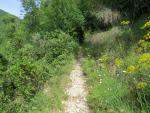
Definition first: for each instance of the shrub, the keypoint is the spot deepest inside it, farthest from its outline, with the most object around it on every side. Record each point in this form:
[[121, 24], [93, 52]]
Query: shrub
[[65, 17], [52, 45], [30, 64]]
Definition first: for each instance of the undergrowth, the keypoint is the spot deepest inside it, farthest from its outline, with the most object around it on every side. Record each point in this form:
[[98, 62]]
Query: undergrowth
[[117, 69], [106, 94], [50, 99]]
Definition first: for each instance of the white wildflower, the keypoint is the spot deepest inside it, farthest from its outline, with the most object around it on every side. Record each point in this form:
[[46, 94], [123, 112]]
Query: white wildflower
[[124, 71]]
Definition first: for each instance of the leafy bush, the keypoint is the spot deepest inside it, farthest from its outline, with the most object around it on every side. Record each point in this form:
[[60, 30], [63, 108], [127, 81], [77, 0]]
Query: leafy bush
[[53, 45], [65, 17], [28, 67]]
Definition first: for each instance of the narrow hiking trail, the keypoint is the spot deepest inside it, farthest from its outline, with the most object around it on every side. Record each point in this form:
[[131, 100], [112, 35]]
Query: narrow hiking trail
[[76, 101]]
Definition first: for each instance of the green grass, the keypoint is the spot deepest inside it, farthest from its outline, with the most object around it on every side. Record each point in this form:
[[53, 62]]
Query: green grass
[[50, 99], [106, 94], [99, 42], [111, 88]]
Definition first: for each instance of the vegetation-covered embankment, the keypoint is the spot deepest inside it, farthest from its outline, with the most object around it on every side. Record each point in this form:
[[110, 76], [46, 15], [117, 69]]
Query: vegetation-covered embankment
[[36, 50]]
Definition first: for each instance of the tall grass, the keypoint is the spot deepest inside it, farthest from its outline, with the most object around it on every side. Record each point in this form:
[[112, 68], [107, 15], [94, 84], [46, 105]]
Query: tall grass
[[100, 42], [106, 94], [117, 67], [50, 99]]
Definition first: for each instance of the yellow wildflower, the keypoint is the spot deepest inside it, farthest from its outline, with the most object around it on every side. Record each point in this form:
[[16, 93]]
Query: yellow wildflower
[[125, 22], [144, 58], [147, 36], [118, 61], [147, 25], [131, 69], [141, 85], [144, 61]]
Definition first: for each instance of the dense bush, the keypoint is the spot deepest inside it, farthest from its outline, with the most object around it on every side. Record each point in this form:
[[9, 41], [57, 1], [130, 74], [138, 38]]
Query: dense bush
[[28, 67], [34, 49], [52, 45]]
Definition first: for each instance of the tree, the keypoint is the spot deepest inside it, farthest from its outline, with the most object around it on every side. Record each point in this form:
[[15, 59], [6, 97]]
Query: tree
[[32, 8], [62, 14]]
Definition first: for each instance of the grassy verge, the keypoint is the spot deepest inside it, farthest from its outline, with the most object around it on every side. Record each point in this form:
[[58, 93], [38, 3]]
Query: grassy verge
[[49, 100], [117, 69], [106, 94]]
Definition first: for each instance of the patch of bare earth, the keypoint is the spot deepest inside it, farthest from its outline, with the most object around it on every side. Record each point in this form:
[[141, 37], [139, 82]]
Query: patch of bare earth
[[76, 101]]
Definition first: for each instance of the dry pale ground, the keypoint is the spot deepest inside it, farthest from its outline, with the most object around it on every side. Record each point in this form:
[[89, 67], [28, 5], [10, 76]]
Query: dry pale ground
[[76, 101]]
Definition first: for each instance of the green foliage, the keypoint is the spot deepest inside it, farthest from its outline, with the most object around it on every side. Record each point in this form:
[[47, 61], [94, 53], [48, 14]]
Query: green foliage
[[53, 45], [106, 94], [123, 64], [51, 97], [2, 13], [30, 63], [100, 42], [8, 25], [28, 60], [66, 16], [30, 5], [102, 14], [35, 49], [97, 15], [132, 8]]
